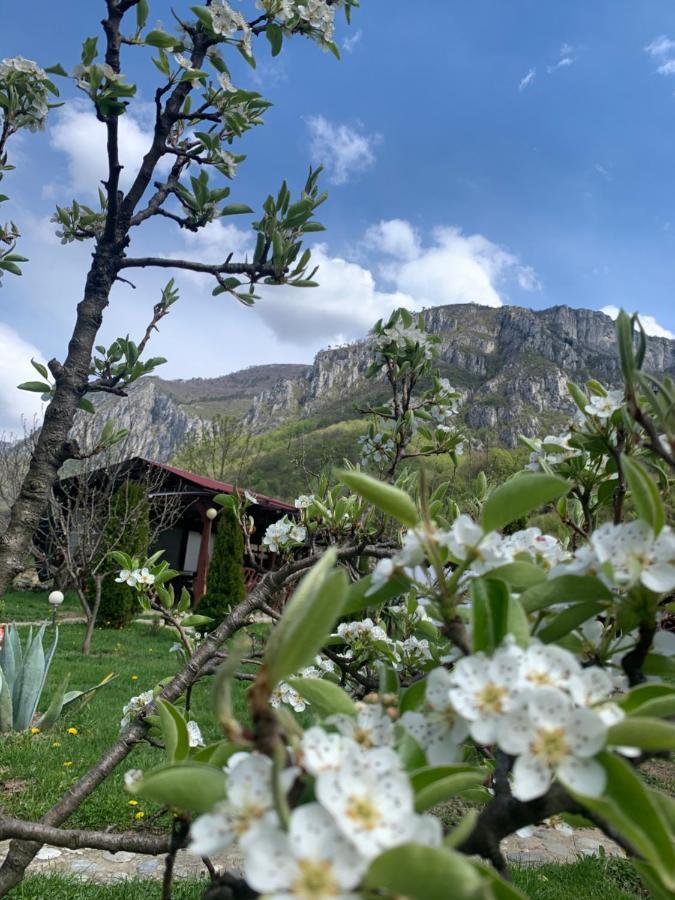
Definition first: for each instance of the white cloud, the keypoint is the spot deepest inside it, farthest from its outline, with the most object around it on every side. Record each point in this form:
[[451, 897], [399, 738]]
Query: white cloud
[[351, 41], [452, 268], [527, 80], [344, 151], [15, 367], [566, 58], [649, 323], [660, 46], [395, 236], [77, 133]]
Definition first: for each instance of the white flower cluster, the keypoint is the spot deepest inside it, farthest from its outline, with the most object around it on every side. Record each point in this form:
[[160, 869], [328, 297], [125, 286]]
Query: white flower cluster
[[136, 577], [364, 806], [552, 450], [466, 540], [284, 693], [226, 21], [362, 631], [626, 554], [133, 707], [403, 338], [27, 79], [376, 448], [83, 75], [304, 501], [541, 707], [604, 406], [283, 534]]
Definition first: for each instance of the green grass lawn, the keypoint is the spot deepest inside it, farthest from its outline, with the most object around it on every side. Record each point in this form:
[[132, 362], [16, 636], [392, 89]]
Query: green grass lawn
[[35, 770], [589, 879], [32, 606]]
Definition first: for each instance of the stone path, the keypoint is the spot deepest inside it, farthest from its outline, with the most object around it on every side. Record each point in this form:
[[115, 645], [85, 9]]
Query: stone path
[[543, 844], [104, 867]]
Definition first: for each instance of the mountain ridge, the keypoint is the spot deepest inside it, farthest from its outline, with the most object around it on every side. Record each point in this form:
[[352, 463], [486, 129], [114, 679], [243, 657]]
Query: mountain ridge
[[511, 365]]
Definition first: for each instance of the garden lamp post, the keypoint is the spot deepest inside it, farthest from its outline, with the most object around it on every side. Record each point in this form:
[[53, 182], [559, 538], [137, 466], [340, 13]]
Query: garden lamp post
[[55, 600]]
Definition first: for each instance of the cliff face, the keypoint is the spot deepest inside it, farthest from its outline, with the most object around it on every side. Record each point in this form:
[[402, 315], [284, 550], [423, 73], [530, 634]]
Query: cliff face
[[511, 365]]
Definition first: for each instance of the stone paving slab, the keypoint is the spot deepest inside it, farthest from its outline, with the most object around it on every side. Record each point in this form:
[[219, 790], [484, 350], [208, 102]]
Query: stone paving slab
[[104, 867], [536, 846]]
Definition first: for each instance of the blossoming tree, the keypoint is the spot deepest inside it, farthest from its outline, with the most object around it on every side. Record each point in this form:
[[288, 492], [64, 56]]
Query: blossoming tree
[[200, 119]]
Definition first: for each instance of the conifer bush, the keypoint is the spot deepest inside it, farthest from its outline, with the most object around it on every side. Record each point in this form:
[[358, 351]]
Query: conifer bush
[[225, 583]]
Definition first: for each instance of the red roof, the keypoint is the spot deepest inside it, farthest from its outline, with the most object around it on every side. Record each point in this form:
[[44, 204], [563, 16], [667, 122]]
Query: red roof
[[220, 487]]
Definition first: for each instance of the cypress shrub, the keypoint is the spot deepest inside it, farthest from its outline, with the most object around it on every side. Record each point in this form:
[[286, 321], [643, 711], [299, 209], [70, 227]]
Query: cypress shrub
[[130, 514], [225, 582]]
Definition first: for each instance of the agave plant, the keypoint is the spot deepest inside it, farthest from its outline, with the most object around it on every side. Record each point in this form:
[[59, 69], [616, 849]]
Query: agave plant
[[22, 678]]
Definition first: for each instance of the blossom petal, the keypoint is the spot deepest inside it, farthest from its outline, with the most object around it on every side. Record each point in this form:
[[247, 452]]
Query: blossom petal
[[531, 777], [583, 776]]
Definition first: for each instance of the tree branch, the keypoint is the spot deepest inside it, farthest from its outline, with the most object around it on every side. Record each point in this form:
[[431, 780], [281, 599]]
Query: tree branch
[[79, 838], [250, 269]]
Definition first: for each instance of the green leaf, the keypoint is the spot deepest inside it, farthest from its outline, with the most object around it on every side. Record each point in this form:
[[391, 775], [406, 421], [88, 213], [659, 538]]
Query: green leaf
[[37, 387], [649, 700], [569, 619], [520, 495], [235, 209], [142, 12], [216, 754], [275, 36], [645, 493], [359, 599], [489, 611], [195, 620], [174, 731], [519, 575], [86, 405], [161, 39], [413, 696], [324, 696], [624, 336], [57, 70], [629, 807], [434, 785], [307, 620], [643, 732], [391, 500], [565, 589], [194, 787], [425, 873]]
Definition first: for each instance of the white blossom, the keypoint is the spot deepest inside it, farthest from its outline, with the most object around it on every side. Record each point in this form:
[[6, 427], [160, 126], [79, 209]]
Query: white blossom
[[632, 553], [311, 861], [485, 689], [439, 730], [371, 727], [195, 738], [248, 782], [133, 707], [605, 406], [371, 800], [304, 501], [551, 737]]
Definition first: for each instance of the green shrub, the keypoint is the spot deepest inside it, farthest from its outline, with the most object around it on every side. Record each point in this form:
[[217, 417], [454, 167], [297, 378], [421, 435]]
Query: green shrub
[[130, 516], [225, 582]]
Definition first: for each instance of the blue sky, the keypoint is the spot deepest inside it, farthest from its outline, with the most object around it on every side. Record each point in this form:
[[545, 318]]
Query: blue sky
[[502, 151]]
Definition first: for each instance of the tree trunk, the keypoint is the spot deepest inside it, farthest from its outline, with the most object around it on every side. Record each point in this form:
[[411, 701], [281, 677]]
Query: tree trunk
[[52, 448], [92, 615]]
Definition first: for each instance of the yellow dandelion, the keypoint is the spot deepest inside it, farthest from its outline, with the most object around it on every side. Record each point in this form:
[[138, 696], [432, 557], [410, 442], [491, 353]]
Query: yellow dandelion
[[134, 677], [35, 730], [56, 744], [72, 730], [133, 802], [68, 763], [139, 815]]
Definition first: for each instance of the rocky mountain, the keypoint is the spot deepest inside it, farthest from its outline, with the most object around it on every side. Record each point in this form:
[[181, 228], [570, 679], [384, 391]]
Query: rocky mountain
[[510, 364]]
